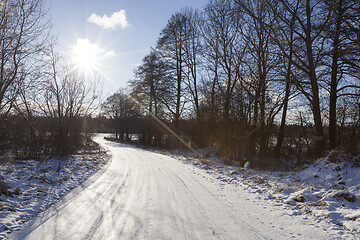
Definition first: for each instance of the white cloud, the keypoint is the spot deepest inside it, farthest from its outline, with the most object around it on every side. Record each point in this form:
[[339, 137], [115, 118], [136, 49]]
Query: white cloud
[[115, 20]]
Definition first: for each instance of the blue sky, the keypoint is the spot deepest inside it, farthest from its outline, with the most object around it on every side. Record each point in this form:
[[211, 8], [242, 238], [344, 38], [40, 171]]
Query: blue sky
[[119, 48]]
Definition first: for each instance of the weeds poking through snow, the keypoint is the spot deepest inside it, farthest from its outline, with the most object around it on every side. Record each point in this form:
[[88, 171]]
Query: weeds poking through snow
[[17, 191], [347, 196], [4, 189]]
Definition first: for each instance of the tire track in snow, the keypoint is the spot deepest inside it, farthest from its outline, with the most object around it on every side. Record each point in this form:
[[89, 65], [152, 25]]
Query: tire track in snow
[[207, 209], [94, 227]]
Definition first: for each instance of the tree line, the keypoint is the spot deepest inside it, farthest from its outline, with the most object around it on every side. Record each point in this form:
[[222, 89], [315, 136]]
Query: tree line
[[257, 79], [44, 103]]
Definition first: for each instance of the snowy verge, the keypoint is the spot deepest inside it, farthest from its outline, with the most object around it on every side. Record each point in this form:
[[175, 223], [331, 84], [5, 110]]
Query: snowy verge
[[327, 190], [28, 187]]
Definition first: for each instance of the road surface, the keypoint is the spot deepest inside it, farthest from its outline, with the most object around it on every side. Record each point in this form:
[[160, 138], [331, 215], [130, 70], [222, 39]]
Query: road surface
[[145, 195]]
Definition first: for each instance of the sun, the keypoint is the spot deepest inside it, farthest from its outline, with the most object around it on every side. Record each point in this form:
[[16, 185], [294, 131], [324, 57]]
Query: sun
[[89, 59], [86, 55]]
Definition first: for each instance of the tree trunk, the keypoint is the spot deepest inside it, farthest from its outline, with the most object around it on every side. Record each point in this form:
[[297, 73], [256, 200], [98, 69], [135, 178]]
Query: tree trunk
[[281, 135], [319, 131], [178, 89], [334, 81], [263, 135]]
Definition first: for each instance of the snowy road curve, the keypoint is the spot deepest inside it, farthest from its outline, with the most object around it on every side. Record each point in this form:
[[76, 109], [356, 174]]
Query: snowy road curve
[[145, 195]]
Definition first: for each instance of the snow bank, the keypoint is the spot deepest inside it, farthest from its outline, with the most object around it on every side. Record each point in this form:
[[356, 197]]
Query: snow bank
[[35, 185], [328, 190]]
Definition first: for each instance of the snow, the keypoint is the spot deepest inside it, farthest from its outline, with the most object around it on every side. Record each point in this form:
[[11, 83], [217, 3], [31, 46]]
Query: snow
[[143, 194], [328, 190], [41, 184]]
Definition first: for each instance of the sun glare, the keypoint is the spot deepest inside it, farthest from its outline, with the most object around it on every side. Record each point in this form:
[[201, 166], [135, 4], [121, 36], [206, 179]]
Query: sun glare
[[86, 55]]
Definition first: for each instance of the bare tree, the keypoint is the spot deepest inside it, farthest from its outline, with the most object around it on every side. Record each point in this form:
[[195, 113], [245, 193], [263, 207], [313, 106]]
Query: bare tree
[[343, 58], [310, 33], [122, 111], [284, 35], [66, 98], [23, 33], [151, 85], [171, 43], [192, 54], [261, 62], [223, 40]]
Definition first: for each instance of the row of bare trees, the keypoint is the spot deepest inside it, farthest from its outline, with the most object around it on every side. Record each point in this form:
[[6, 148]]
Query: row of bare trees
[[43, 103], [257, 78]]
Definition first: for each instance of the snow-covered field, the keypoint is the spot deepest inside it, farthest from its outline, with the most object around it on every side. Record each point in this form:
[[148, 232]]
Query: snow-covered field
[[147, 195], [32, 186]]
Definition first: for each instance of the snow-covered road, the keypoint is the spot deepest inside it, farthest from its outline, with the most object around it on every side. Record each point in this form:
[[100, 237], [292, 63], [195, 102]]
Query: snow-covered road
[[145, 195]]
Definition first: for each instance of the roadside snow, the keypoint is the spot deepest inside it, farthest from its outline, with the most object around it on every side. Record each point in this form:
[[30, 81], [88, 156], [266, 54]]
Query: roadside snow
[[35, 185], [328, 190]]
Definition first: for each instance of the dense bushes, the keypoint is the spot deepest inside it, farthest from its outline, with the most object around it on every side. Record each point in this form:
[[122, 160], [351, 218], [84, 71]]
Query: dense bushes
[[44, 136]]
